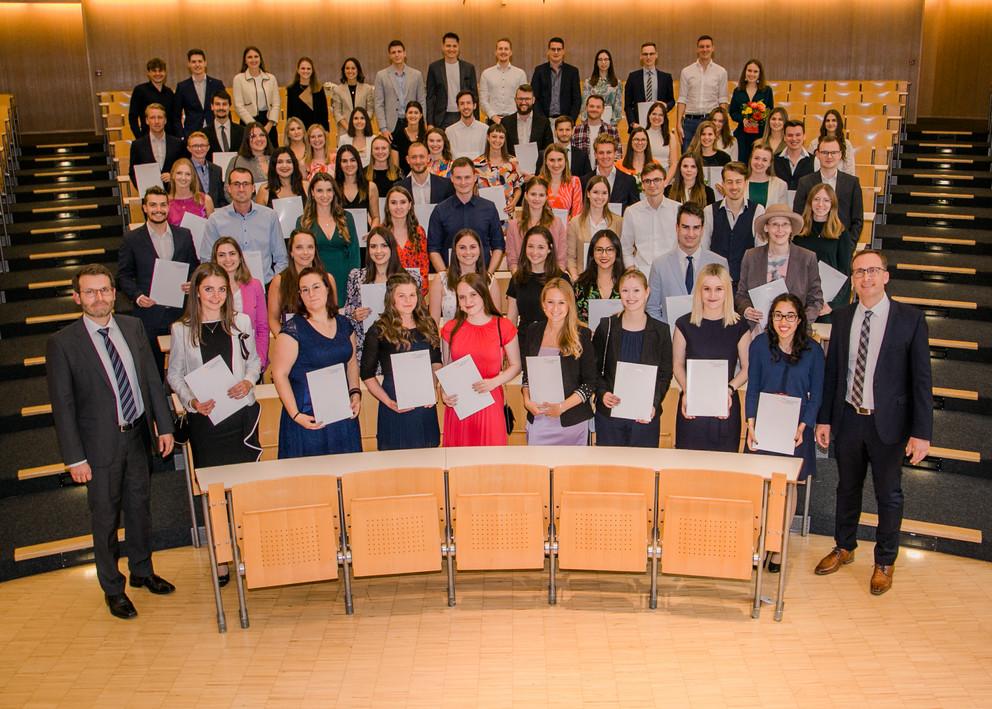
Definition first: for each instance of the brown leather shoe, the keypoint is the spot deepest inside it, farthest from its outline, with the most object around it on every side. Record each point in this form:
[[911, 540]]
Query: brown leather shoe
[[881, 579], [833, 561]]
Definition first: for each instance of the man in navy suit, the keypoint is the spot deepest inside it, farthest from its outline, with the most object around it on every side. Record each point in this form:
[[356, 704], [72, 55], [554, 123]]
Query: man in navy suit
[[193, 94], [155, 239], [210, 176], [623, 187], [527, 125], [877, 414], [421, 183], [648, 78], [556, 84], [156, 146]]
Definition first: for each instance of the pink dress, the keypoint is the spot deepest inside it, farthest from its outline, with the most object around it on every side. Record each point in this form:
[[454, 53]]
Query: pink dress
[[482, 342], [515, 241], [179, 207]]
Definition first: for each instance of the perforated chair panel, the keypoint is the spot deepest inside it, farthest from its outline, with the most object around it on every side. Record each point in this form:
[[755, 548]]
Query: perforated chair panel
[[395, 535], [707, 537], [499, 531], [603, 531], [289, 545]]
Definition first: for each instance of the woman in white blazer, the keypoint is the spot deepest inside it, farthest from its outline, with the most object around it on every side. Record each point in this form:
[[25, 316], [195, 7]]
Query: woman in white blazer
[[762, 185], [256, 93], [351, 93]]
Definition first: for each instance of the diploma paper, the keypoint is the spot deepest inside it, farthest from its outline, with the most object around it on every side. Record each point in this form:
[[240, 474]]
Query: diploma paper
[[600, 308], [197, 225], [223, 161], [706, 387], [253, 260], [289, 209], [527, 158], [634, 384], [763, 295], [424, 212], [497, 196], [562, 215], [675, 307], [373, 298], [776, 423], [616, 208], [642, 112], [361, 217], [168, 278], [713, 176], [831, 280], [147, 175], [329, 394], [211, 382], [457, 379], [544, 380], [790, 198], [414, 379]]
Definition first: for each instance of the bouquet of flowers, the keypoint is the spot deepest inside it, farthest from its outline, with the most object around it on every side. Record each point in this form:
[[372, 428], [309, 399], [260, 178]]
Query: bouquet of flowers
[[754, 112]]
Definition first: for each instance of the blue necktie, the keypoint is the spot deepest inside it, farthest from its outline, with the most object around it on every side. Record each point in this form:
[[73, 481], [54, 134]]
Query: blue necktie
[[690, 277], [126, 396]]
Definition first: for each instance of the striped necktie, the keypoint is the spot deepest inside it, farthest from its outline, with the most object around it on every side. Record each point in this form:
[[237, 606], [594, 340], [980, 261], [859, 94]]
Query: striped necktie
[[857, 390], [649, 88], [124, 392]]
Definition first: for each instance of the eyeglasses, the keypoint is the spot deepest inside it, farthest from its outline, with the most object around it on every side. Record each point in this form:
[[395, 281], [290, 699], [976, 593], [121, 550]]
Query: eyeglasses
[[315, 288], [778, 316], [829, 153], [871, 271], [198, 146], [90, 292], [652, 180], [241, 184], [600, 250]]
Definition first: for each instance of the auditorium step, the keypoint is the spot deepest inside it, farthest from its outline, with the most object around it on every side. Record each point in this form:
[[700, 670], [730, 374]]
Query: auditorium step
[[67, 160], [40, 283], [950, 196], [948, 267], [32, 317], [981, 179], [934, 239], [944, 299], [926, 145], [51, 190], [59, 175], [78, 208], [22, 357], [51, 254], [967, 217]]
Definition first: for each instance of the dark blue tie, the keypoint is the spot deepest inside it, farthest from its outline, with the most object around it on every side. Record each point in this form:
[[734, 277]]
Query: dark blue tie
[[690, 277], [126, 396]]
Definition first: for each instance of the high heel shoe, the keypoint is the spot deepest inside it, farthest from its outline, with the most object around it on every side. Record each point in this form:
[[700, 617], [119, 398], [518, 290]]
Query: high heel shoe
[[774, 567]]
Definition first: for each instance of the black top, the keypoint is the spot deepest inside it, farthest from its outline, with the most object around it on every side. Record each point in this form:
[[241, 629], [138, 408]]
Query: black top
[[710, 195], [214, 342], [712, 340], [382, 181], [631, 343], [295, 108], [578, 374], [717, 159], [378, 352], [401, 144], [142, 96], [528, 295], [656, 349]]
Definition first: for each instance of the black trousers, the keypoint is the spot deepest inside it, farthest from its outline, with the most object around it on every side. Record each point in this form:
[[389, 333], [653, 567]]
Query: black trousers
[[450, 119], [122, 486], [856, 445], [624, 432]]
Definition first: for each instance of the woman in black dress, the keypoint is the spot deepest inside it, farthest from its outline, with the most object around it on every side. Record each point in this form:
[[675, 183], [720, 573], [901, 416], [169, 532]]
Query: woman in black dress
[[305, 97], [412, 129], [382, 170], [538, 265], [751, 88]]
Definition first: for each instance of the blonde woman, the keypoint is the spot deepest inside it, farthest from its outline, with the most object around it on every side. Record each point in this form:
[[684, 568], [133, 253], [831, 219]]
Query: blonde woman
[[774, 135], [725, 139], [824, 234], [317, 159], [295, 138], [185, 195], [595, 217], [564, 188], [762, 186]]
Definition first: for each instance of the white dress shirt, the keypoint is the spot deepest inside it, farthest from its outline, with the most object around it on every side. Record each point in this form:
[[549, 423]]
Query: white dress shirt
[[648, 232], [879, 318], [498, 87], [832, 181], [702, 89], [523, 127], [467, 140], [117, 337], [158, 150], [421, 192], [593, 134], [162, 241]]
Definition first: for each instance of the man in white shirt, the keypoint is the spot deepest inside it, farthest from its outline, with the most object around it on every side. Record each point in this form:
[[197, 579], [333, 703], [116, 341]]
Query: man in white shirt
[[702, 87], [649, 225], [793, 163], [468, 135], [446, 78], [499, 83], [395, 86]]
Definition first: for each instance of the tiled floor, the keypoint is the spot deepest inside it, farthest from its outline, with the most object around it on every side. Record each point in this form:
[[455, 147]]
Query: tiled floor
[[927, 643]]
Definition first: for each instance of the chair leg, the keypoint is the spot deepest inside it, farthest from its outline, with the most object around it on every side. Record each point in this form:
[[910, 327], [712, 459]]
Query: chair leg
[[236, 552], [344, 556], [808, 496], [212, 553]]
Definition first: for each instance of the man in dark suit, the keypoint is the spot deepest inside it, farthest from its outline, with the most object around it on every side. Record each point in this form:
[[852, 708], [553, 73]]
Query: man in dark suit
[[578, 160], [527, 125], [556, 84], [794, 163], [878, 404], [623, 187], [108, 404], [152, 91], [446, 78], [421, 182], [210, 176], [193, 94], [648, 79], [850, 204], [224, 134], [155, 239], [156, 146]]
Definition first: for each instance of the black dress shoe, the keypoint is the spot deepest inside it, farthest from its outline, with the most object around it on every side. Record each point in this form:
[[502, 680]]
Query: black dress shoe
[[120, 606], [774, 567], [224, 579], [155, 584]]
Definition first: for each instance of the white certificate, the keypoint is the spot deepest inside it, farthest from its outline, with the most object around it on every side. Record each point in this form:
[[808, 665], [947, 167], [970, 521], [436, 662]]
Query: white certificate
[[562, 215], [616, 208], [675, 307], [382, 209], [527, 158], [211, 382], [329, 394], [168, 278], [497, 196], [776, 423], [253, 260], [634, 384], [414, 379], [197, 226], [790, 198], [713, 176], [763, 295], [600, 308], [706, 387], [223, 161], [544, 380], [457, 379], [831, 280], [424, 212], [642, 112], [288, 209], [147, 175], [585, 255], [373, 298], [361, 217]]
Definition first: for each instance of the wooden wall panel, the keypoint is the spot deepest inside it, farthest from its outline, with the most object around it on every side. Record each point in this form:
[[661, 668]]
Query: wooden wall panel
[[956, 66]]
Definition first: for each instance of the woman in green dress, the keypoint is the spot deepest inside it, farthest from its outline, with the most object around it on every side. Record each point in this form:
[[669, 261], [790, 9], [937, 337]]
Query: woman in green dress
[[334, 230]]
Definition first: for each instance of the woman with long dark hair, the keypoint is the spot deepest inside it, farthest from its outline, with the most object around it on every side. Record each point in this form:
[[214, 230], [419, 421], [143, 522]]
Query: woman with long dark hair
[[283, 288], [466, 257], [538, 264], [751, 88], [285, 179], [603, 82], [359, 135], [247, 294], [411, 130], [256, 94], [601, 278], [411, 238], [305, 97], [351, 92], [354, 188], [333, 229], [254, 153]]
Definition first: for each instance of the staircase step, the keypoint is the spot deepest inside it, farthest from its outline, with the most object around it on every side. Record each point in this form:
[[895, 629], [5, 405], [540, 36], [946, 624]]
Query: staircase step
[[959, 216], [952, 195], [22, 357], [40, 283], [64, 146], [66, 160], [959, 339], [33, 317], [25, 404], [65, 209], [935, 176], [963, 431], [49, 191], [945, 162], [41, 227], [942, 146], [60, 254], [27, 450], [950, 267], [86, 173]]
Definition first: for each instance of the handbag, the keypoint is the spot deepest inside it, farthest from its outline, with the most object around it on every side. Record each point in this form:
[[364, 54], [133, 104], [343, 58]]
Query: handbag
[[508, 415], [180, 427]]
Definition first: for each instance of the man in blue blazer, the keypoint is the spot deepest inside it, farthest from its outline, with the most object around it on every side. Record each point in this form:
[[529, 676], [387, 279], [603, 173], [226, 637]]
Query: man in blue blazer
[[192, 103], [878, 404], [556, 84], [420, 176], [675, 272], [639, 80], [623, 187]]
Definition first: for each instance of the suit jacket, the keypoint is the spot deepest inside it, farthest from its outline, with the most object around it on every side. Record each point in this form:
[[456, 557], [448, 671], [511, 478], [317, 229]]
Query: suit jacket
[[540, 133], [387, 101], [634, 94], [802, 278], [441, 187], [246, 102], [668, 279], [216, 188], [778, 192], [437, 89], [580, 164], [135, 265], [236, 137], [342, 105], [624, 188], [902, 387], [656, 350], [577, 374], [570, 98], [850, 204], [141, 153], [84, 404], [192, 115]]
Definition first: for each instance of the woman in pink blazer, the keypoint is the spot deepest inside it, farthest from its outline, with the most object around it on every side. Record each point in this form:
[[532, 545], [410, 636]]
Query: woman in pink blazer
[[249, 296]]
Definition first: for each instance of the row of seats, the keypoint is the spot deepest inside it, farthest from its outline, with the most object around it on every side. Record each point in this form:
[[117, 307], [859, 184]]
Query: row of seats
[[8, 144]]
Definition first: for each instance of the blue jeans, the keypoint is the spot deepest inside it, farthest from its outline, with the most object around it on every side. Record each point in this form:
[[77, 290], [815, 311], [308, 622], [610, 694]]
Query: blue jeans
[[689, 130]]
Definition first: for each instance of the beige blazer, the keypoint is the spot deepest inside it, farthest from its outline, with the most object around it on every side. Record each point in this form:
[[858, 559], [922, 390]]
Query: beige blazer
[[341, 105], [245, 101]]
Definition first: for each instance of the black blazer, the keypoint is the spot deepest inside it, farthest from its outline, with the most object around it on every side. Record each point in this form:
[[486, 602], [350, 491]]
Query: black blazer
[[634, 92], [571, 90], [902, 384], [624, 188], [295, 108], [84, 405], [540, 133], [192, 115], [441, 188], [236, 137], [135, 264], [216, 189], [850, 204], [580, 163], [437, 89], [141, 153], [656, 350], [576, 374]]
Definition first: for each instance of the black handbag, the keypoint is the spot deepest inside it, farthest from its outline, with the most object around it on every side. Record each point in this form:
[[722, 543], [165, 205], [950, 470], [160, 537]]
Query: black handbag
[[180, 427]]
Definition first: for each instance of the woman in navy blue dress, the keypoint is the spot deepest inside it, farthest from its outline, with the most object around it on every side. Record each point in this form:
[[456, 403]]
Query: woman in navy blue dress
[[404, 326], [316, 337]]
